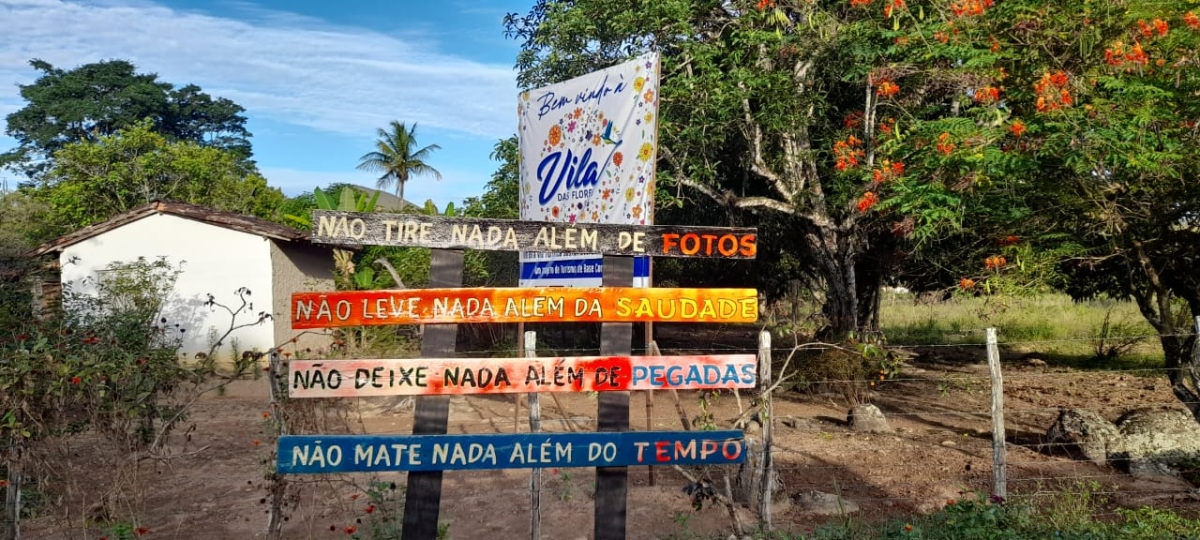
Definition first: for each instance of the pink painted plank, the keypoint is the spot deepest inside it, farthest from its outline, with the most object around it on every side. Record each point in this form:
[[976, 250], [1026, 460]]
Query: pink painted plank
[[445, 376]]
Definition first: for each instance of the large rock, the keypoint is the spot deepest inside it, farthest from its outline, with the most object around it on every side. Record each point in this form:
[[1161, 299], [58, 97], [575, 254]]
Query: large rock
[[1156, 441], [1085, 434], [867, 418], [824, 504]]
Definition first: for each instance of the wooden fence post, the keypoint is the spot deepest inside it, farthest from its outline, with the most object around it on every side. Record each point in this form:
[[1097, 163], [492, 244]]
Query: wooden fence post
[[766, 476], [423, 498], [535, 426], [278, 481], [12, 493], [999, 464], [612, 414]]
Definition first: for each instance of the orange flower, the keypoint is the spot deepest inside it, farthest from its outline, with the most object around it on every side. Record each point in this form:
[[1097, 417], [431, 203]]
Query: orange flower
[[944, 145], [901, 40], [852, 120], [1017, 128], [941, 36], [908, 528], [964, 284], [968, 8], [555, 135], [618, 158], [1191, 20], [995, 261], [995, 45], [1009, 240], [649, 96], [859, 3], [351, 529], [847, 153], [1161, 27], [887, 88], [764, 4], [867, 201], [898, 168], [987, 94]]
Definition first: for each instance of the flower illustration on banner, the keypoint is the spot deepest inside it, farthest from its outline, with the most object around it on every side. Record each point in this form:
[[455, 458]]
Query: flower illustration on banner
[[555, 135], [638, 83], [637, 212], [554, 212], [649, 95], [618, 158], [646, 151], [628, 194], [596, 140], [571, 127], [649, 117]]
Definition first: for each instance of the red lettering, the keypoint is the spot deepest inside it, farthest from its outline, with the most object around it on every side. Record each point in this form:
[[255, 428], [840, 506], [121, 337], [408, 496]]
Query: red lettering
[[669, 240], [737, 450], [749, 245], [733, 245], [708, 245], [683, 244], [660, 451]]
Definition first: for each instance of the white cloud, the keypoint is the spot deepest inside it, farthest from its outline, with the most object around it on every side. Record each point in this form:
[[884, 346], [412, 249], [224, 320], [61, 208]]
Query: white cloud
[[280, 66]]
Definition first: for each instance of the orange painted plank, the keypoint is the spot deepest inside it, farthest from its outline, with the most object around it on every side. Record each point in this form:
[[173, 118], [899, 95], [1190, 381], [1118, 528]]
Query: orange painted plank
[[531, 304], [453, 376]]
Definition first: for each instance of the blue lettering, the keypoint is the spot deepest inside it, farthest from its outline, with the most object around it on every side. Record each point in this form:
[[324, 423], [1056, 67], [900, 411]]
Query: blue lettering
[[730, 375], [673, 376], [639, 374], [656, 375], [577, 172], [693, 376], [712, 374], [748, 375], [549, 103]]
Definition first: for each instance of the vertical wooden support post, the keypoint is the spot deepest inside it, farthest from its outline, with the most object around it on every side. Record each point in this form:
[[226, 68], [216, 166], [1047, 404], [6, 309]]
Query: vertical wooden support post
[[766, 476], [650, 401], [423, 498], [517, 397], [535, 426], [612, 483], [999, 463], [278, 481], [12, 493]]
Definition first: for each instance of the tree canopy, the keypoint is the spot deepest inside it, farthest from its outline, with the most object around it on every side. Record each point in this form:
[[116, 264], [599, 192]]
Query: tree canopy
[[397, 156], [98, 99], [93, 181]]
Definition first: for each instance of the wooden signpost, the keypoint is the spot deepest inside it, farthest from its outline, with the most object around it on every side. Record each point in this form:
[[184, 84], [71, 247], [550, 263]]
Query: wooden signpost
[[375, 229], [438, 374], [455, 376], [316, 454], [515, 304]]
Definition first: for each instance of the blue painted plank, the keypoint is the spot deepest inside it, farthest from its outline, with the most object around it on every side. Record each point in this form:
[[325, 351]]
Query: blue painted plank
[[315, 454]]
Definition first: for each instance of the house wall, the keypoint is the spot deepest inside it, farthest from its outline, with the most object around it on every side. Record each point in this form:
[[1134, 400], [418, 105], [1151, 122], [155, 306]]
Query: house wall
[[214, 260], [297, 268]]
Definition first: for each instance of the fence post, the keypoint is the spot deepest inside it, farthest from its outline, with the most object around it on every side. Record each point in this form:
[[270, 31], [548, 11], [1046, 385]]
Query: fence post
[[535, 426], [278, 482], [999, 464], [12, 494], [766, 475], [612, 414]]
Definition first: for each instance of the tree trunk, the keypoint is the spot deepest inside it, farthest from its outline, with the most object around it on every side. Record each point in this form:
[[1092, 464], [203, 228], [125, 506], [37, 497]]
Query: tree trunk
[[1182, 362], [851, 288]]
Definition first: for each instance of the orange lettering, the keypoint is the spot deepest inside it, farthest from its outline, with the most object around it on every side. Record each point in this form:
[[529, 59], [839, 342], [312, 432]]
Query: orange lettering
[[733, 245], [749, 245], [683, 244], [669, 240]]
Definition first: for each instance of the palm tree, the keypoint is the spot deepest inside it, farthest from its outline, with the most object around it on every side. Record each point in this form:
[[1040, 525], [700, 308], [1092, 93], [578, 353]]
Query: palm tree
[[397, 157]]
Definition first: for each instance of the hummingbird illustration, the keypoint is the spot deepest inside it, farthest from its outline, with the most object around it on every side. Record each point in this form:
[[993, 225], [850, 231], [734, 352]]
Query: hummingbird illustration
[[607, 137]]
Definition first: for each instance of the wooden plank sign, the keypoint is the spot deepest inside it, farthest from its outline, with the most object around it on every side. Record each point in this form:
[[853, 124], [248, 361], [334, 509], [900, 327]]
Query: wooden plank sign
[[511, 305], [317, 454], [379, 229], [443, 376]]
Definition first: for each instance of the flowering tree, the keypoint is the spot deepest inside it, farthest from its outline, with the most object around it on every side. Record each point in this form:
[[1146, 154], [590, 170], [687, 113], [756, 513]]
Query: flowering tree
[[1050, 143]]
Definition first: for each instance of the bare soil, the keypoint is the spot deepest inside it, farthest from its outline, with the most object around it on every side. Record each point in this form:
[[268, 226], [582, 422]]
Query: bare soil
[[940, 450]]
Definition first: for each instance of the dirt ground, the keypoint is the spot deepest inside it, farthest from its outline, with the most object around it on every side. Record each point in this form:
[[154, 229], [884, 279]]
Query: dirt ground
[[940, 450]]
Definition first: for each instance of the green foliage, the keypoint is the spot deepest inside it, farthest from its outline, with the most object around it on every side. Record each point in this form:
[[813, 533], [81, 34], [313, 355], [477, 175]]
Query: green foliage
[[93, 181], [106, 365], [96, 100]]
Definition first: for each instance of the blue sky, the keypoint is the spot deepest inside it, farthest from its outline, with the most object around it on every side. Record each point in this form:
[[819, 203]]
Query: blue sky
[[316, 77]]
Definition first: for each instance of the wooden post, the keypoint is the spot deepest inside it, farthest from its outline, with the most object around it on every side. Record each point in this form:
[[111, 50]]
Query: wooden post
[[766, 474], [612, 483], [423, 498], [12, 493], [683, 418], [278, 481], [649, 406], [999, 464], [517, 397], [535, 426]]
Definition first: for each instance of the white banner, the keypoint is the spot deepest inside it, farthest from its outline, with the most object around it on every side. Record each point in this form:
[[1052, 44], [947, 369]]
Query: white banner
[[588, 148]]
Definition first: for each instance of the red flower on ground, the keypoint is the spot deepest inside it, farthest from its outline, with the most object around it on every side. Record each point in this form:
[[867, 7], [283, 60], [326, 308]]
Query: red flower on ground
[[142, 531], [1191, 20], [370, 509], [987, 94], [944, 145], [964, 284], [76, 380], [859, 3], [350, 529], [266, 414]]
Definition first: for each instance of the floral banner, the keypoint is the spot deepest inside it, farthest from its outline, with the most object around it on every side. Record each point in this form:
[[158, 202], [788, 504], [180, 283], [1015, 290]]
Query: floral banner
[[588, 148]]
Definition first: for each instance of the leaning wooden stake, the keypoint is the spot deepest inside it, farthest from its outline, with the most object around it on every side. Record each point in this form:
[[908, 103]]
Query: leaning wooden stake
[[423, 498], [999, 464], [535, 426], [766, 473], [650, 397], [612, 483], [683, 417]]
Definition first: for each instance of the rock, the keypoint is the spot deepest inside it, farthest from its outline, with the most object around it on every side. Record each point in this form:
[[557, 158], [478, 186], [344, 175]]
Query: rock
[[824, 504], [1085, 434], [867, 418], [1157, 441], [802, 424], [1036, 362], [948, 443]]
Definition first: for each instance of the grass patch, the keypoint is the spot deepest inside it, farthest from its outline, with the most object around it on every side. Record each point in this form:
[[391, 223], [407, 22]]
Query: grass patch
[[1089, 335]]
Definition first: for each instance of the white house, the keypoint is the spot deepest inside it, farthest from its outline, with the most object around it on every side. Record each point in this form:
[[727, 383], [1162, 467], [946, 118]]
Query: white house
[[218, 252]]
